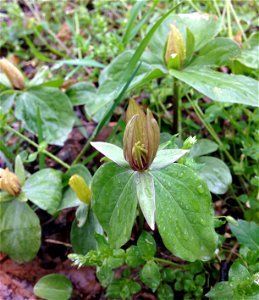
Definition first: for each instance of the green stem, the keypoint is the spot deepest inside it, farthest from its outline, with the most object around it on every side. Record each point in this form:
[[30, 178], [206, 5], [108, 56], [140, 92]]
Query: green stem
[[25, 138], [177, 106], [237, 20], [169, 262], [216, 7], [40, 140], [230, 34], [210, 129], [212, 132]]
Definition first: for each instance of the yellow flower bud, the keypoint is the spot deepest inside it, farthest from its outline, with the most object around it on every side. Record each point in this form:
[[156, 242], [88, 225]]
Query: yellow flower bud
[[9, 182], [14, 75], [81, 189], [141, 137], [175, 52]]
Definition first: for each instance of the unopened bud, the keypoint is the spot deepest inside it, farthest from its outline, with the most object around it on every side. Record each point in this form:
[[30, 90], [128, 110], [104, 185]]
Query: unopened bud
[[9, 182], [141, 137], [175, 52], [14, 75], [231, 220], [189, 142], [81, 189]]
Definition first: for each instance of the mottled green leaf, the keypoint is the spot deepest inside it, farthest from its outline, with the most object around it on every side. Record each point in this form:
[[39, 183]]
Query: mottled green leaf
[[218, 52], [249, 55], [43, 188], [146, 245], [115, 201], [184, 213], [20, 232], [150, 275], [247, 234], [221, 291], [55, 110], [202, 147], [165, 292], [53, 287], [220, 87], [82, 93], [215, 173]]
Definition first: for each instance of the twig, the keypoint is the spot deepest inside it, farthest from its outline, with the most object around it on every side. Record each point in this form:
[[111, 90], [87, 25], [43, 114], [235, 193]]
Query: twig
[[55, 158]]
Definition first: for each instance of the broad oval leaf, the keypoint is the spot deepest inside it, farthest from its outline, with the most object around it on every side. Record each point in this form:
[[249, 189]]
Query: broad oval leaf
[[55, 111], [184, 213], [53, 287], [43, 188], [218, 52], [81, 93], [111, 151], [215, 173], [150, 275], [166, 157], [202, 147], [219, 86], [145, 73], [146, 196], [246, 234], [20, 232], [146, 245], [249, 55], [115, 202]]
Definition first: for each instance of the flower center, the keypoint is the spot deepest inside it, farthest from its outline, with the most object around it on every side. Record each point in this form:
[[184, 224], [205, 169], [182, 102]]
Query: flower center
[[139, 154]]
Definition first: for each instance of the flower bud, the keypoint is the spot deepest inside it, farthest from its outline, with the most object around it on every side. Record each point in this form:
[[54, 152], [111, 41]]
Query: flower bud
[[81, 189], [14, 75], [141, 137], [175, 52], [9, 182], [189, 142]]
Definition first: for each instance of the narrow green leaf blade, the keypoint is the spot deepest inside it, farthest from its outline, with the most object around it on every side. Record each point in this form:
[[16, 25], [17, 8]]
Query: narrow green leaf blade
[[184, 213], [84, 62]]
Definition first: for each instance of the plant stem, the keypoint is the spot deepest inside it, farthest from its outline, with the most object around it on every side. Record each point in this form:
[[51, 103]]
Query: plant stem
[[230, 34], [169, 262], [25, 138], [40, 140], [177, 113], [237, 20], [210, 129]]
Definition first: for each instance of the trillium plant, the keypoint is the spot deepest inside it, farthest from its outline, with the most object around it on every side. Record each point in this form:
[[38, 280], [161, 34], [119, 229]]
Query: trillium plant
[[168, 194]]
